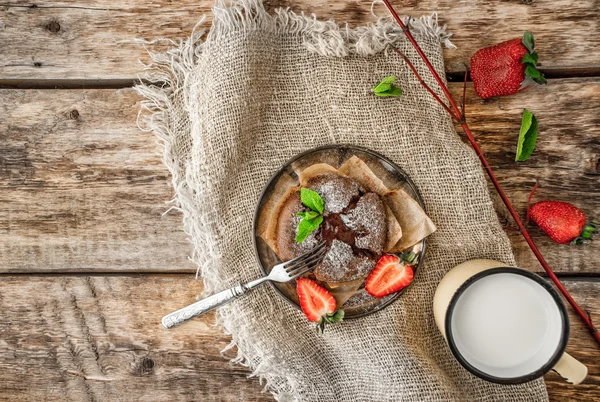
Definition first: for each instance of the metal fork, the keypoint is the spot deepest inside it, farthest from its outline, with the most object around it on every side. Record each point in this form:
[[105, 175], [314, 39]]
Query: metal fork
[[283, 272]]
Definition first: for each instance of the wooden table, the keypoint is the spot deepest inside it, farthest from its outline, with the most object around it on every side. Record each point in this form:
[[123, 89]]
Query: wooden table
[[89, 264]]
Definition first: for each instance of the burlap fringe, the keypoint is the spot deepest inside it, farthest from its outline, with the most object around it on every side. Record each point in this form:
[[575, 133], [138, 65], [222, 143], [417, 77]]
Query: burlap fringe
[[326, 38], [168, 73]]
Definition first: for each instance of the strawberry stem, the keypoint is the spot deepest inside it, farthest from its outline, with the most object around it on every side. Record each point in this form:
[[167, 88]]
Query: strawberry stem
[[455, 114]]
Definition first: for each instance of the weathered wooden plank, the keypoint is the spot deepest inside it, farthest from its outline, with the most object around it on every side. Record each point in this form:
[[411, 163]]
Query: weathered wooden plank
[[566, 161], [90, 39], [84, 191], [82, 338], [100, 338], [582, 347], [82, 188]]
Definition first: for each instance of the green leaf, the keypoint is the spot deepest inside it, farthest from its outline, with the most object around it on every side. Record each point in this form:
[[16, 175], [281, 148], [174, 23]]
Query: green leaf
[[338, 316], [307, 226], [528, 41], [384, 85], [409, 257], [527, 136], [393, 91], [531, 71], [531, 58], [308, 215], [312, 200]]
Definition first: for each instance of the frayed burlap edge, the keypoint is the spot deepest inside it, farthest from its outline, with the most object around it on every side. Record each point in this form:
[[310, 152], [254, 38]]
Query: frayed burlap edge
[[164, 82]]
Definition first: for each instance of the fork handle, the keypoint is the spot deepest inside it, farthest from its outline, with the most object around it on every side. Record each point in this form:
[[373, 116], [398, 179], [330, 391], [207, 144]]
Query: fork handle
[[203, 306]]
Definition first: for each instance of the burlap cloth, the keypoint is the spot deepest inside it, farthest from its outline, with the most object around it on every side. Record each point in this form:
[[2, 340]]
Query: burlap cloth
[[259, 89]]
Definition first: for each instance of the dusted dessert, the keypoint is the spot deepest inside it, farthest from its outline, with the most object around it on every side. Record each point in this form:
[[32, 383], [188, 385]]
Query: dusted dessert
[[352, 210]]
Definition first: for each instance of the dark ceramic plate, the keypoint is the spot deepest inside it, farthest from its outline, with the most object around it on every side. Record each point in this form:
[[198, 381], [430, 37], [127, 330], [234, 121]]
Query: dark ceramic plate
[[361, 303]]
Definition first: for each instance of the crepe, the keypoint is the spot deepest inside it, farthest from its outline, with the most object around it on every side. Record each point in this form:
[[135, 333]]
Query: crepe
[[415, 223]]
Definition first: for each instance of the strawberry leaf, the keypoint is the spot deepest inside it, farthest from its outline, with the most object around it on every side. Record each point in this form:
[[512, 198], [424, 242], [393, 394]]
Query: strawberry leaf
[[312, 200], [528, 41], [338, 316], [527, 136], [531, 58], [542, 80], [526, 82], [409, 257], [531, 71]]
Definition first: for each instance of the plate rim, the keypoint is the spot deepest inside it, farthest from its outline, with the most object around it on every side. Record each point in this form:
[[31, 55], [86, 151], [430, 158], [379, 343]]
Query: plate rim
[[321, 148]]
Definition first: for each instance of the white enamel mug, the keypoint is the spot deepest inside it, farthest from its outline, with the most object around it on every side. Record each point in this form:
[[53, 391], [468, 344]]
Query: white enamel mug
[[503, 324]]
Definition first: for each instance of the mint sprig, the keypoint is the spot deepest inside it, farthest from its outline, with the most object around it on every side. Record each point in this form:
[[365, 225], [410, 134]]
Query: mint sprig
[[386, 87], [310, 219], [530, 60], [311, 199], [527, 136]]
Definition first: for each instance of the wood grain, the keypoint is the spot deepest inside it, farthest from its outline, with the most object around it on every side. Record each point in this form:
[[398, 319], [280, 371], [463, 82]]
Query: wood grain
[[92, 39], [99, 339], [566, 161], [83, 189], [86, 338]]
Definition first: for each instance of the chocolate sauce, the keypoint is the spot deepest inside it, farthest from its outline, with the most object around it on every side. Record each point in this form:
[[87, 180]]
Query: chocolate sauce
[[333, 228]]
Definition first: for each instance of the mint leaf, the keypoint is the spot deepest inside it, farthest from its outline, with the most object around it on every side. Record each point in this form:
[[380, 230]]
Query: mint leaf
[[385, 87], [312, 200], [308, 215], [306, 227], [531, 58], [394, 91], [527, 136], [390, 79], [528, 41], [385, 84]]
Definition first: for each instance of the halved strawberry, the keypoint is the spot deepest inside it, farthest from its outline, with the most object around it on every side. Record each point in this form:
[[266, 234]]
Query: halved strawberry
[[388, 276], [317, 304]]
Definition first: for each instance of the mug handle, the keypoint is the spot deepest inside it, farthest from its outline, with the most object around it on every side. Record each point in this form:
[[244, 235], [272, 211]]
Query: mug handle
[[570, 369]]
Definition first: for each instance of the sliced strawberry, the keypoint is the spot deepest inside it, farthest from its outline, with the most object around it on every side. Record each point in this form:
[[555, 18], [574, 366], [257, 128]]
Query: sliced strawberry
[[317, 304], [388, 276]]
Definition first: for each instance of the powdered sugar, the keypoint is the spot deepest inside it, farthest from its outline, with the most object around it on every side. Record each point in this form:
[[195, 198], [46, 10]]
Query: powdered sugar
[[369, 221], [309, 243], [336, 191], [337, 261], [341, 264], [363, 267]]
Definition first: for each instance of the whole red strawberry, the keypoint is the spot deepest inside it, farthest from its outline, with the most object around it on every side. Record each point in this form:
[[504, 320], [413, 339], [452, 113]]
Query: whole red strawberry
[[505, 68], [563, 222]]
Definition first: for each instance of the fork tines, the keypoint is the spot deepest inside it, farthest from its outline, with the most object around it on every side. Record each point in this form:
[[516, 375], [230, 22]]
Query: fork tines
[[307, 261]]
